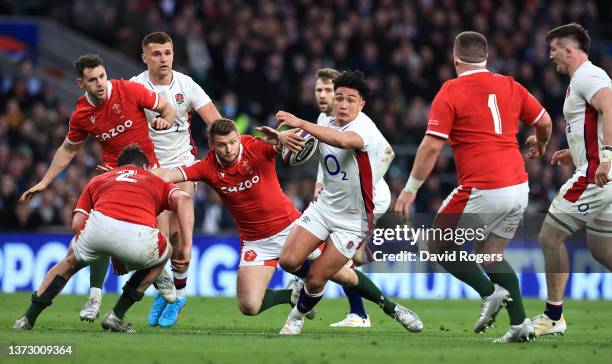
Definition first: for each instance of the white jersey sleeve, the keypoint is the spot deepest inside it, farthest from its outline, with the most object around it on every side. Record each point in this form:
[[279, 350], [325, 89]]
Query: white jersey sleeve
[[197, 95], [587, 85]]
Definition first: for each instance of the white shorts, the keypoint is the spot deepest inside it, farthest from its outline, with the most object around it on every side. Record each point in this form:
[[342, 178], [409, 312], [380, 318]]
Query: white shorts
[[580, 203], [267, 251], [186, 159], [498, 211], [347, 233], [136, 246]]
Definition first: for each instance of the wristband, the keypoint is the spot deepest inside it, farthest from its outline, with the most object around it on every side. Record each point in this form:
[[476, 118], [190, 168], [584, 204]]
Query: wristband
[[413, 185]]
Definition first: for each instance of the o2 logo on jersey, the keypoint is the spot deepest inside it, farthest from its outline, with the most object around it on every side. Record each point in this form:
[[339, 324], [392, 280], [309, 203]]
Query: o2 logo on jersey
[[242, 186], [334, 169], [115, 131]]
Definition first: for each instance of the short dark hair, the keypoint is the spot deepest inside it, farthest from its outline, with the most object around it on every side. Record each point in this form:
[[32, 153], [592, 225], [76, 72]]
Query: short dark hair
[[471, 47], [355, 80], [221, 127], [573, 31], [87, 61], [132, 154], [156, 38], [327, 74]]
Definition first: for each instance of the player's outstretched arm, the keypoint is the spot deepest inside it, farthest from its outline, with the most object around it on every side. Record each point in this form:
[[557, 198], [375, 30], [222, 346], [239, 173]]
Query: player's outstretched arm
[[183, 206], [333, 137], [60, 161], [287, 138], [602, 102], [425, 159], [537, 142], [172, 175]]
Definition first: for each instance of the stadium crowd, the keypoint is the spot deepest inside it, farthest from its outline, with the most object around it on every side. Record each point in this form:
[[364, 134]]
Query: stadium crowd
[[256, 57]]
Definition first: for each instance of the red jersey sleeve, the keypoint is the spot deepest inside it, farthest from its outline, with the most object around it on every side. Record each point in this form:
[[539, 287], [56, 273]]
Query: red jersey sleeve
[[441, 115], [531, 109], [145, 98], [75, 134], [168, 189], [85, 203], [200, 171]]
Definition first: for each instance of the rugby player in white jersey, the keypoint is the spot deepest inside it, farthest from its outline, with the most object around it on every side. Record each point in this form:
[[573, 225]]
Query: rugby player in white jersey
[[324, 96], [174, 147], [352, 151], [586, 199]]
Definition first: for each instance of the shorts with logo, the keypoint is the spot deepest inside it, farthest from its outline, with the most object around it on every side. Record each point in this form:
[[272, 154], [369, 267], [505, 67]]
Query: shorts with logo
[[586, 202], [136, 246], [498, 211], [186, 159], [265, 252], [347, 232]]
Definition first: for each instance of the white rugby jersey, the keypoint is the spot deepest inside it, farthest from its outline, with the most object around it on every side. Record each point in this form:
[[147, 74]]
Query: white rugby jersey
[[583, 124], [353, 178], [186, 96]]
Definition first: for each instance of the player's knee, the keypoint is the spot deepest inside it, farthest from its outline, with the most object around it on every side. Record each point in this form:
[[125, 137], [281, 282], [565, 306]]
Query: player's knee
[[289, 263], [249, 307]]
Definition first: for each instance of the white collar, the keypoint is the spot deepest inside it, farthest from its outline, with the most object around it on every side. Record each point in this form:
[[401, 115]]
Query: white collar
[[109, 91], [467, 73]]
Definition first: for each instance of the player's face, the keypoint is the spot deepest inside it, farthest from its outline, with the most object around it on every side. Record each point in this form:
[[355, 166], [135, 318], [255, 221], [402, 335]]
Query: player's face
[[324, 94], [159, 58], [226, 147], [558, 56], [347, 104], [94, 82]]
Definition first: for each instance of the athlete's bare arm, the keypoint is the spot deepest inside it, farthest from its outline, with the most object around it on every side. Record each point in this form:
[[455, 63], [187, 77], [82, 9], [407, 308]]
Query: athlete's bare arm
[[64, 154]]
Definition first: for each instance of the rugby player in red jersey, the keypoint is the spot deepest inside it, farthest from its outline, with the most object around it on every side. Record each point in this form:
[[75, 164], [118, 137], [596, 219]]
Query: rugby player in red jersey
[[120, 208], [478, 113], [113, 112]]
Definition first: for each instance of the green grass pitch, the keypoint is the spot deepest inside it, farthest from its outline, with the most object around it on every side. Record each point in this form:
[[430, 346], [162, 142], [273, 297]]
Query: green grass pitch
[[212, 330]]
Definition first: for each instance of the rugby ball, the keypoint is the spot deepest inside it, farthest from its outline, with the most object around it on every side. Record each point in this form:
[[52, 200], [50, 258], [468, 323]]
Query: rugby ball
[[303, 156]]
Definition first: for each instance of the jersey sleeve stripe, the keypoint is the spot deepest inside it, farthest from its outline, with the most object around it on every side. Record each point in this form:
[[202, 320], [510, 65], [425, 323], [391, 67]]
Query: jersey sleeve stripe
[[437, 133], [538, 117], [183, 173], [156, 101], [170, 194], [81, 210], [74, 143]]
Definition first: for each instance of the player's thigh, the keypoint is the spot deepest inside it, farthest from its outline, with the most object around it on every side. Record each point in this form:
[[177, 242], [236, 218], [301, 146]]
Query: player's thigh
[[252, 282], [299, 245]]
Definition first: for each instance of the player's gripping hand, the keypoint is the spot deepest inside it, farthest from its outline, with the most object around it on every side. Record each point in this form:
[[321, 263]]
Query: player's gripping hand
[[160, 123], [287, 138], [536, 149], [601, 174], [562, 158], [285, 118], [37, 188], [403, 204]]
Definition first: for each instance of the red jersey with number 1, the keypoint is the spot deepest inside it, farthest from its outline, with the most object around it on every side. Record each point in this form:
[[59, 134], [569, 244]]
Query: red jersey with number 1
[[249, 189], [117, 122], [127, 193], [478, 112]]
